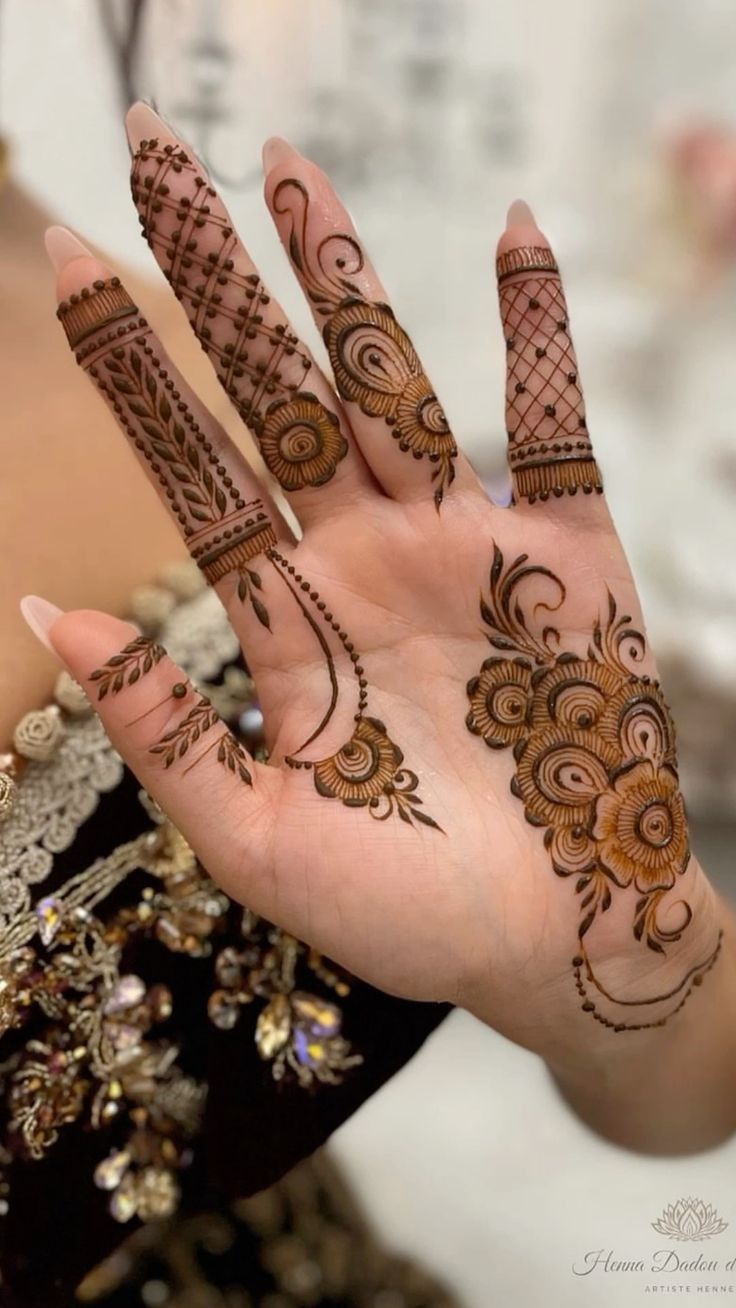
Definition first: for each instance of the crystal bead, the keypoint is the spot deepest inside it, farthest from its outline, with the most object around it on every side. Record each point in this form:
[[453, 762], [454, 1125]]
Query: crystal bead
[[124, 1202], [228, 969], [110, 1172], [48, 915], [158, 1193], [223, 1010], [273, 1027], [322, 1019], [309, 1052], [126, 993]]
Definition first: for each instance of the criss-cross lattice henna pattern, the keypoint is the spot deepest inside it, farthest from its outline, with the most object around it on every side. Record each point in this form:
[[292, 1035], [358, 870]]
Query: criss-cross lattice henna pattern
[[549, 451], [595, 768], [373, 359], [258, 359]]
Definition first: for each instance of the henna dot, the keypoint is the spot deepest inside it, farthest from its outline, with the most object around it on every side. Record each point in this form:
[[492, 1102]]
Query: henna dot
[[577, 961], [520, 388], [588, 1007], [550, 410], [304, 586], [540, 352], [321, 606], [313, 595], [534, 303], [179, 690], [328, 616]]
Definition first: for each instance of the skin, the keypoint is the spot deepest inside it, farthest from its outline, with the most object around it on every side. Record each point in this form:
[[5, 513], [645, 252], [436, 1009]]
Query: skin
[[473, 914]]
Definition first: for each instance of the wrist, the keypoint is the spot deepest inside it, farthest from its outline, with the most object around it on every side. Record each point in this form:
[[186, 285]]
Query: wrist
[[667, 1088]]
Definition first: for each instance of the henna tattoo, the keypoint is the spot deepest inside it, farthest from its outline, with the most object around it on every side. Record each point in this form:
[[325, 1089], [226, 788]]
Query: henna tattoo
[[367, 771], [177, 742], [550, 452], [223, 531], [595, 765], [258, 359], [124, 669], [373, 359]]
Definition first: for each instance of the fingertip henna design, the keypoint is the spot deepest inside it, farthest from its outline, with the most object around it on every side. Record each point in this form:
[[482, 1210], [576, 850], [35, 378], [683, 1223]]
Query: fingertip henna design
[[223, 531], [549, 452], [258, 360], [373, 360], [594, 766]]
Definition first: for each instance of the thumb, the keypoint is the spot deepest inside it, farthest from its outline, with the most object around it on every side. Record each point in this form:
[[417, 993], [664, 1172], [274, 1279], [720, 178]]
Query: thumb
[[171, 738]]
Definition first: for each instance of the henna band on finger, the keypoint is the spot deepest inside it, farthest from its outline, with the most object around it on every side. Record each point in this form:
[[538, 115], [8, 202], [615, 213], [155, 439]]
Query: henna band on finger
[[115, 345], [549, 452]]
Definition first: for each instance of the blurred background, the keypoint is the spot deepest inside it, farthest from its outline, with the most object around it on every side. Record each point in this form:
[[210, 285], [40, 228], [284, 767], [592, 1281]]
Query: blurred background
[[617, 122]]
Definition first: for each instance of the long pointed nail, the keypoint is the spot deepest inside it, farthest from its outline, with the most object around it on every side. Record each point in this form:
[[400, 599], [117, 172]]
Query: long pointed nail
[[275, 151], [142, 123], [40, 614], [520, 215], [62, 246]]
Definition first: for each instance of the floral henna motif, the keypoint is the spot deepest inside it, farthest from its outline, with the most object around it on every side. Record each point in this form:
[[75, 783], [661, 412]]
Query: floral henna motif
[[595, 764], [549, 448], [374, 362], [257, 358], [367, 771], [115, 346]]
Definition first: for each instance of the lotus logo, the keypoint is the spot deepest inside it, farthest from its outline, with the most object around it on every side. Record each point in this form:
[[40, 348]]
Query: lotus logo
[[690, 1219]]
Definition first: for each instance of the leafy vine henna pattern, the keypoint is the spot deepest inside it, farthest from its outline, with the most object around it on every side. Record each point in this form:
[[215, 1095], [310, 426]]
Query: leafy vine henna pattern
[[595, 768], [134, 661], [549, 450], [115, 346], [256, 356], [225, 534], [373, 359]]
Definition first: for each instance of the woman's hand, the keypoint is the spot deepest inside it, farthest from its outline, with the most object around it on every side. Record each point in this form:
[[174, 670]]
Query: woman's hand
[[472, 789]]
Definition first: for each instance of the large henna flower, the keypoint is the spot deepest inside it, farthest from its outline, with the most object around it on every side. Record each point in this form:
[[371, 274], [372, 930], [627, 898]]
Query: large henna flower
[[638, 719], [301, 442], [363, 769], [641, 828], [499, 702]]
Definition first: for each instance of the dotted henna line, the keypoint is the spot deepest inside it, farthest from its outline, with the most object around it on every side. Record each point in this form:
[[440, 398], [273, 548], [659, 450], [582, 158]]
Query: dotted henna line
[[588, 1005], [342, 636]]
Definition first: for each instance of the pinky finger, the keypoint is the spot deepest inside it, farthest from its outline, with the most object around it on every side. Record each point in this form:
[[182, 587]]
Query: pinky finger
[[171, 738]]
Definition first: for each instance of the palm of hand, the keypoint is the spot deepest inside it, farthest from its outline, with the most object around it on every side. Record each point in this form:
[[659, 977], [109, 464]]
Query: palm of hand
[[473, 780]]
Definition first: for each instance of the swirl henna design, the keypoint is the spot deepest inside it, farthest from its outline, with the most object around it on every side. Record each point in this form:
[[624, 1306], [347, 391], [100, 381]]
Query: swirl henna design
[[134, 661], [373, 360], [549, 449], [258, 359], [595, 768]]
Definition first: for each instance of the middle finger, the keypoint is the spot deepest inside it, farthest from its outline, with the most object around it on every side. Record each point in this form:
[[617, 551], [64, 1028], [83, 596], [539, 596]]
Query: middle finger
[[271, 378]]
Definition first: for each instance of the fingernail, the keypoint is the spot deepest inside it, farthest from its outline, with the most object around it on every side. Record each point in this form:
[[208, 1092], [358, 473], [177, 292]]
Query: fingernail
[[275, 151], [520, 215], [40, 614], [142, 123], [62, 246]]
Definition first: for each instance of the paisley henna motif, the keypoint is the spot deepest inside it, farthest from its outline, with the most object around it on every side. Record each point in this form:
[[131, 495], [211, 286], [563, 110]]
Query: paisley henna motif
[[595, 764], [374, 362], [259, 361]]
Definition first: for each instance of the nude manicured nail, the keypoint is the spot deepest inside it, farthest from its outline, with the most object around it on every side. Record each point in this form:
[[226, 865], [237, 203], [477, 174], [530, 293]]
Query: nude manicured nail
[[40, 614], [275, 151], [62, 246], [520, 215], [142, 123]]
